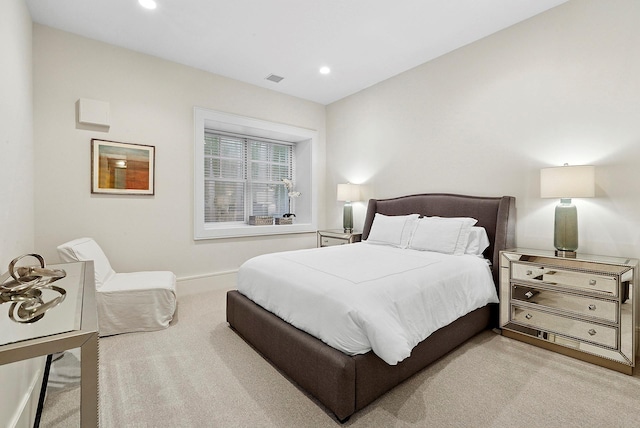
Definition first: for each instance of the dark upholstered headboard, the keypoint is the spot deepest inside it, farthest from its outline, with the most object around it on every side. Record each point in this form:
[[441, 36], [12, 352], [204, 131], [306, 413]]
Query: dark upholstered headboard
[[496, 214]]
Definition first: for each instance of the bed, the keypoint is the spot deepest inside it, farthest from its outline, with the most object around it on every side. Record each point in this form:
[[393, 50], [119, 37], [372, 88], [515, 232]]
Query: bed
[[347, 383]]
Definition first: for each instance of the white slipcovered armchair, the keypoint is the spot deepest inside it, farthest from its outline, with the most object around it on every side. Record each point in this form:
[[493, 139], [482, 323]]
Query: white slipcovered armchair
[[127, 302]]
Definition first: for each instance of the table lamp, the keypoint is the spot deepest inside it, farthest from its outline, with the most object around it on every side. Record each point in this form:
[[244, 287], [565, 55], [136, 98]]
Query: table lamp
[[566, 182], [348, 193]]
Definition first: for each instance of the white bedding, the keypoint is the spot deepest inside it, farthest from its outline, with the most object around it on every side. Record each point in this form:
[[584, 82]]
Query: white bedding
[[363, 297]]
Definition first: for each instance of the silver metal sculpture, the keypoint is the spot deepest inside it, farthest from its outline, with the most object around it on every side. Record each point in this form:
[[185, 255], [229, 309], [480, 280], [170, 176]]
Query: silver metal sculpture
[[22, 287]]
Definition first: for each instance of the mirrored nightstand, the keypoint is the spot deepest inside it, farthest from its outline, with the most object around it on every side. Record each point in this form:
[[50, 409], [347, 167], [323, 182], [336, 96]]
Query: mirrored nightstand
[[584, 307], [328, 238]]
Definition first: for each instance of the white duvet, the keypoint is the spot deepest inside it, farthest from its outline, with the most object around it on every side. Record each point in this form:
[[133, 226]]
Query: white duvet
[[363, 297]]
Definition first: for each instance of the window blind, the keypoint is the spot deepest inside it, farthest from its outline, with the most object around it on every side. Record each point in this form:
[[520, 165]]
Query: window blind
[[243, 176]]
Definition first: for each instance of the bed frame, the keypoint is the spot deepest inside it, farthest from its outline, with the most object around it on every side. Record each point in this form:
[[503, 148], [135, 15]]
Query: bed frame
[[346, 384]]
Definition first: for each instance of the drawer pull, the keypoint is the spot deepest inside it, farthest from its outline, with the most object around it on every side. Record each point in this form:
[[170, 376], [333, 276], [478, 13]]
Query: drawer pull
[[592, 282], [592, 307], [592, 332], [528, 316], [528, 294], [529, 272]]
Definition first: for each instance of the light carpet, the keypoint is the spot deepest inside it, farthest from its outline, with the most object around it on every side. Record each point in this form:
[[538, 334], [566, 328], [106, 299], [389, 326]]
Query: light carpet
[[199, 373]]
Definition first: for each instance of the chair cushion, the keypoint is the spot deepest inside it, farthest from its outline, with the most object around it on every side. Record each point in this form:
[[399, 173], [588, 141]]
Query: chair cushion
[[84, 249]]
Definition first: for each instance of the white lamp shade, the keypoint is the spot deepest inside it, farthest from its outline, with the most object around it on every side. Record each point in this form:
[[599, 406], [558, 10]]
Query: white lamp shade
[[567, 182], [348, 192]]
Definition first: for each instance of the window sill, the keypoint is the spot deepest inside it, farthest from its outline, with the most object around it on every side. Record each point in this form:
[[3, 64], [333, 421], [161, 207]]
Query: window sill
[[248, 230]]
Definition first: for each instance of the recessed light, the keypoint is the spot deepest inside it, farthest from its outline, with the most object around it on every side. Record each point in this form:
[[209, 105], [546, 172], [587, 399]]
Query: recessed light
[[148, 4], [325, 70]]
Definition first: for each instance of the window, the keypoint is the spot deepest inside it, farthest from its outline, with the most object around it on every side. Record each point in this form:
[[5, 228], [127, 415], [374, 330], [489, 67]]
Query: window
[[243, 177], [240, 164]]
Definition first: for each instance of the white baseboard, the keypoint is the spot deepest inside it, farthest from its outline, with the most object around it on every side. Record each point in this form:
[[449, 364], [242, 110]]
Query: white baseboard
[[206, 282]]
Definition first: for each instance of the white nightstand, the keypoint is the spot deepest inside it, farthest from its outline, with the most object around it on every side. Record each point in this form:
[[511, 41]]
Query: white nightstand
[[327, 238]]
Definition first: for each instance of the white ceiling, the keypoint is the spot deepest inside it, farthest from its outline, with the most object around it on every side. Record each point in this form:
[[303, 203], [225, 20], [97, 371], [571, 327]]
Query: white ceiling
[[362, 41]]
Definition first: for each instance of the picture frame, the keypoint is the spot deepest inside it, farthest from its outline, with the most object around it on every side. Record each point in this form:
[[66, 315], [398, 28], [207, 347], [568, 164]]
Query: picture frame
[[122, 168]]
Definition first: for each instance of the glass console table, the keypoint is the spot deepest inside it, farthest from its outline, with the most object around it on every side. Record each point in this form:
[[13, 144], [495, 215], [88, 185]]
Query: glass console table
[[71, 324]]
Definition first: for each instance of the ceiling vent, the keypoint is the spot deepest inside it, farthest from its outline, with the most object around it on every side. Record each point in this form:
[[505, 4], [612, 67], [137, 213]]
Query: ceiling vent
[[274, 78]]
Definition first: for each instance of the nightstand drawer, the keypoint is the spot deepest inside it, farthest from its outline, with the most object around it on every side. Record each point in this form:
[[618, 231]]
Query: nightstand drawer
[[565, 278], [586, 306], [326, 241], [573, 328]]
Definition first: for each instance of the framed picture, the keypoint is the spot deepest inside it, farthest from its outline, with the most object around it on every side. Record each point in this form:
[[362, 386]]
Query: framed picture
[[121, 168]]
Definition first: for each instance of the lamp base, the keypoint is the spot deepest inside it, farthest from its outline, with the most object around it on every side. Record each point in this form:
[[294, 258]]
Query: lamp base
[[565, 236], [566, 254], [347, 218]]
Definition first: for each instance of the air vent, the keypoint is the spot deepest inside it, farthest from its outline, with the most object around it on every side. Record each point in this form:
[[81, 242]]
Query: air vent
[[274, 78]]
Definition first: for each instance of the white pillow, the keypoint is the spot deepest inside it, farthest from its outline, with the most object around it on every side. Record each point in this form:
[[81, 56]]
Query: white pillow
[[393, 230], [478, 241], [442, 235]]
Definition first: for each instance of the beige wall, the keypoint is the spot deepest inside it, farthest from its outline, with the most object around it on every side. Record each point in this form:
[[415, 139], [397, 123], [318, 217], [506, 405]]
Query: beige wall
[[20, 382], [561, 87], [151, 102], [16, 132]]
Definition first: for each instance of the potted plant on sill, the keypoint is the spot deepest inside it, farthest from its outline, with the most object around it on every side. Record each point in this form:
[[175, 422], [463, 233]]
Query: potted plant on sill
[[292, 194]]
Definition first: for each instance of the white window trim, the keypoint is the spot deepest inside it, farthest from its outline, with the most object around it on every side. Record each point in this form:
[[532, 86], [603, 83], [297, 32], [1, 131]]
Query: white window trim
[[306, 205]]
